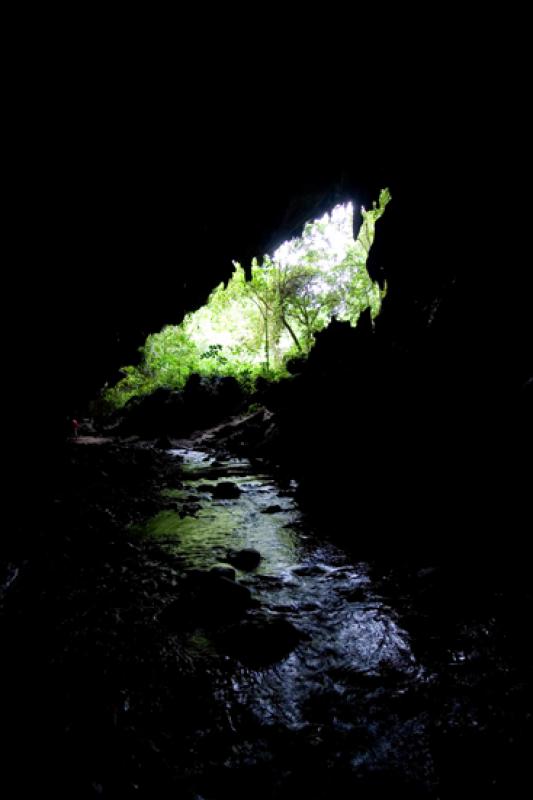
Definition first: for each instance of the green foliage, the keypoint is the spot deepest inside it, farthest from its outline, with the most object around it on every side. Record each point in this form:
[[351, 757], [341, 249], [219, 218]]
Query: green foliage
[[253, 326]]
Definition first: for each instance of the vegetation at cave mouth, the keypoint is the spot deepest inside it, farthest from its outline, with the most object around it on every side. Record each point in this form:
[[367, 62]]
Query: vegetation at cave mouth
[[269, 314]]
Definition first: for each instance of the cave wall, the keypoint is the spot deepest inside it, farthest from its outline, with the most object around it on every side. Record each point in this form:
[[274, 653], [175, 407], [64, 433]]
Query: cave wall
[[124, 223], [124, 250]]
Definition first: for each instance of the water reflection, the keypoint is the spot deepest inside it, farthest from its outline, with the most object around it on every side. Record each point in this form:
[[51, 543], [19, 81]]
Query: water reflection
[[338, 681]]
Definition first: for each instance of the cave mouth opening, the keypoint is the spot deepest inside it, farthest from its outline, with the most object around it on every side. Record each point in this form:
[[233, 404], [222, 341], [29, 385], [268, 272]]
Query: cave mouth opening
[[264, 320]]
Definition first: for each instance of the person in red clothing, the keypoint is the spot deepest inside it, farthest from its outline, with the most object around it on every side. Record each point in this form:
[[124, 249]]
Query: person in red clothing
[[75, 426]]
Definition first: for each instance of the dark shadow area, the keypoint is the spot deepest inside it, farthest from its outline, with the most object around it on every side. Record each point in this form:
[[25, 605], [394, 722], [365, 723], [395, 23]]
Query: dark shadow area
[[326, 594]]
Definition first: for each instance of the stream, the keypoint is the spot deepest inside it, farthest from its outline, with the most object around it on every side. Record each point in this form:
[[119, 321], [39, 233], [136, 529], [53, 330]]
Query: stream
[[336, 708], [133, 670]]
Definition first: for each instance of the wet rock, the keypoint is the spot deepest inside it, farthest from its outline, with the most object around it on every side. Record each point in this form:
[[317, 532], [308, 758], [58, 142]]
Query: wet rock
[[311, 569], [225, 597], [190, 510], [285, 608], [167, 505], [223, 572], [209, 597], [246, 559], [271, 509], [355, 595], [196, 575], [309, 606], [270, 583], [260, 642], [226, 490]]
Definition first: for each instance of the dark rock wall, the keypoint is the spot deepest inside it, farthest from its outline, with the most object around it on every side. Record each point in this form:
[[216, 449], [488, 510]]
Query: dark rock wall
[[125, 221]]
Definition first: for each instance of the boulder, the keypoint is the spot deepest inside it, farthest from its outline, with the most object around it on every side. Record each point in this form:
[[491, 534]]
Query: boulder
[[260, 642], [190, 510], [246, 559], [226, 597], [208, 597], [309, 570], [223, 572], [271, 509], [226, 490]]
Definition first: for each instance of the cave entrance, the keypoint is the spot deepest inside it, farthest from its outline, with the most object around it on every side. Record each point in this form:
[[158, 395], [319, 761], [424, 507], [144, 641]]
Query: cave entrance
[[267, 315]]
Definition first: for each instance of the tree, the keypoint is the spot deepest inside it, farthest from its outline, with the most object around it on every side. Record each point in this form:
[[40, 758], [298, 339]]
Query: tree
[[253, 326], [263, 292]]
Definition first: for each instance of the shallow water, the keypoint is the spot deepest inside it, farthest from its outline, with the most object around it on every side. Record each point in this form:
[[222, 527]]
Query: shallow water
[[337, 692]]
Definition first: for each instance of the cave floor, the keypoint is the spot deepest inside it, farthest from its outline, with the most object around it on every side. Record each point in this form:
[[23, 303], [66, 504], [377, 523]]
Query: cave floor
[[128, 672]]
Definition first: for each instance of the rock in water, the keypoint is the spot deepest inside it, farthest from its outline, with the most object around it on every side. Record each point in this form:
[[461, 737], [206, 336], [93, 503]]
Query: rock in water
[[246, 559], [260, 642], [223, 572], [271, 510], [226, 490], [208, 597]]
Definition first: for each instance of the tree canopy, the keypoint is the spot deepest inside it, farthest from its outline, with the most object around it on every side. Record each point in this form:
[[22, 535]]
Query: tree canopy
[[259, 320]]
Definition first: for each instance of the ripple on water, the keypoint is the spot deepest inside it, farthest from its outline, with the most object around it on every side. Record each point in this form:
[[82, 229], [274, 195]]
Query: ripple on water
[[353, 646]]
